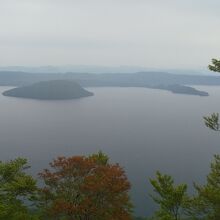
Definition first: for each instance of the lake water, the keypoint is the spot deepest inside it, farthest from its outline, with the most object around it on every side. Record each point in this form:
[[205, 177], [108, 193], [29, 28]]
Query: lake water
[[144, 130]]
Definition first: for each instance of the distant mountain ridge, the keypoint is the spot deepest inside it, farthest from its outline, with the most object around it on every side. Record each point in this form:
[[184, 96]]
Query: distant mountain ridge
[[102, 69], [75, 68], [159, 80], [16, 78]]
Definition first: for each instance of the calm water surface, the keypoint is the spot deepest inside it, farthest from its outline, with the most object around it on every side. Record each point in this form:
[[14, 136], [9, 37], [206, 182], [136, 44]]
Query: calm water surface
[[144, 130]]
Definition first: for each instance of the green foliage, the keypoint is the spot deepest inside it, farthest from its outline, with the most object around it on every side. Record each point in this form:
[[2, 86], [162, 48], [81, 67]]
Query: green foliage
[[100, 158], [207, 203], [215, 65], [16, 189], [212, 121], [171, 199]]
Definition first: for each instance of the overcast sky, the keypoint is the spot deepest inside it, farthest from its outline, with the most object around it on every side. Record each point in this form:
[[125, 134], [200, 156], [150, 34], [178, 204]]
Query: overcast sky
[[149, 33]]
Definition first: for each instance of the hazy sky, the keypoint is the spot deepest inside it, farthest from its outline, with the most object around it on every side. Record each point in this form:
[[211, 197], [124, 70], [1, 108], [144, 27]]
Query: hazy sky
[[150, 33]]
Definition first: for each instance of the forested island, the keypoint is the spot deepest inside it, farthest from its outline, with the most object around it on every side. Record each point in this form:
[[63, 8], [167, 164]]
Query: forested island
[[50, 90]]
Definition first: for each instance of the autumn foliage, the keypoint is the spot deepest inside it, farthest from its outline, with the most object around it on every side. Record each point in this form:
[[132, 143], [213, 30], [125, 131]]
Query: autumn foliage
[[86, 188]]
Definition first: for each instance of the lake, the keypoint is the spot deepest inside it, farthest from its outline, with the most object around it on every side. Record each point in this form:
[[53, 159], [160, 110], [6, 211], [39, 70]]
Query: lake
[[142, 129]]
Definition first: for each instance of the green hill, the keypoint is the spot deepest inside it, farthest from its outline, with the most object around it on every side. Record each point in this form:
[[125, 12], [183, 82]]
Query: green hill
[[50, 90]]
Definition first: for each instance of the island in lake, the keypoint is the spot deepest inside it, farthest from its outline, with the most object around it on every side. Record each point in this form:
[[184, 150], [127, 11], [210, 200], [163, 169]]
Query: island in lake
[[50, 90], [181, 89]]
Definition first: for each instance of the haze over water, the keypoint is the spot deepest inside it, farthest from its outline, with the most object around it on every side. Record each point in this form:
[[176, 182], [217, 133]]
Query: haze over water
[[142, 129]]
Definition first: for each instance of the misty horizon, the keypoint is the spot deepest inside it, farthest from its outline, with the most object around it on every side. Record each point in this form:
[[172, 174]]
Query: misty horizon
[[159, 34], [98, 69], [121, 92]]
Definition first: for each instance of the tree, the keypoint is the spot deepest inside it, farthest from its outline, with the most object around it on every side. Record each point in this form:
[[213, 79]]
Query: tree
[[215, 65], [212, 121], [86, 188], [208, 200], [171, 199], [16, 189], [207, 203]]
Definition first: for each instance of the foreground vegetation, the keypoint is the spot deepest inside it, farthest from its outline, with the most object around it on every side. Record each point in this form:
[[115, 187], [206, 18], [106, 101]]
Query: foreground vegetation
[[76, 187], [92, 188]]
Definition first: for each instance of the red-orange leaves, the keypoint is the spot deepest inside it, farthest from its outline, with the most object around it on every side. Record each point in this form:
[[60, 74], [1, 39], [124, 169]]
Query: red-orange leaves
[[86, 188]]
